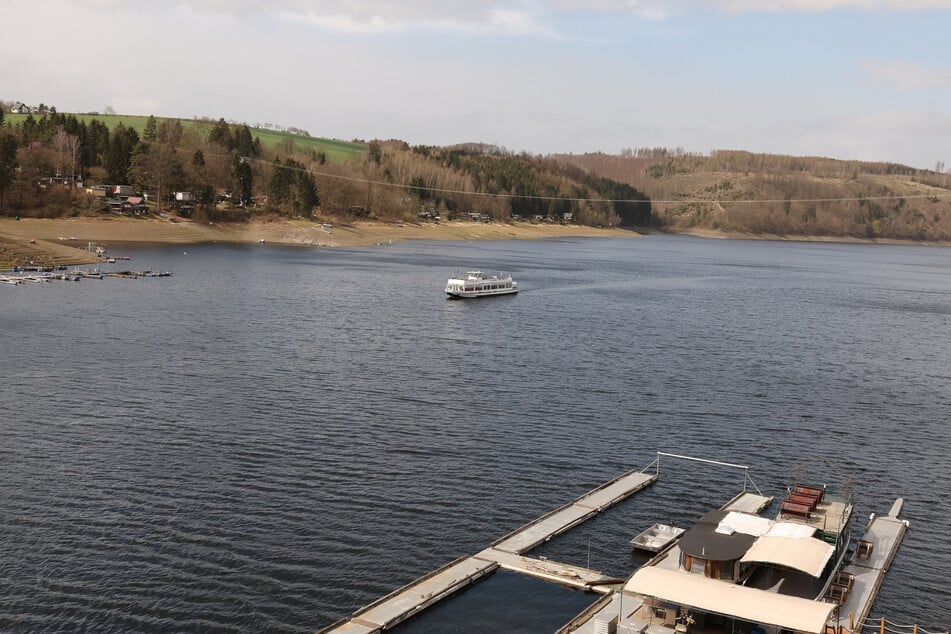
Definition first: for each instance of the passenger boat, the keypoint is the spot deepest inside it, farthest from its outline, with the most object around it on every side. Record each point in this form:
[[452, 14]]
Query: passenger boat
[[478, 284]]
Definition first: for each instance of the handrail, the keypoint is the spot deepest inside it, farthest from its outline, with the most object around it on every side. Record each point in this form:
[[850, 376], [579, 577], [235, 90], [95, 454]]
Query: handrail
[[746, 469], [885, 625]]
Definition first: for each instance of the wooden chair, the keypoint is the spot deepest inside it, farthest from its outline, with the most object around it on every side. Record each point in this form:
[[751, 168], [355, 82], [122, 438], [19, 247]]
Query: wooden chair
[[864, 548], [844, 579]]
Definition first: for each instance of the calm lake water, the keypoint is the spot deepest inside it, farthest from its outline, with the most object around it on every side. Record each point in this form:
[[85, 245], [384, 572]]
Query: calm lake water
[[274, 437]]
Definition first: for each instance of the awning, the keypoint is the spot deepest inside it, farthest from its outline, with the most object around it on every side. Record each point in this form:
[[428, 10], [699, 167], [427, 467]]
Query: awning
[[727, 599], [745, 523], [808, 554]]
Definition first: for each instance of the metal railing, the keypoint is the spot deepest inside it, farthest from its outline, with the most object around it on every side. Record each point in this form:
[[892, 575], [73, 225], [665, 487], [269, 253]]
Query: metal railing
[[746, 470]]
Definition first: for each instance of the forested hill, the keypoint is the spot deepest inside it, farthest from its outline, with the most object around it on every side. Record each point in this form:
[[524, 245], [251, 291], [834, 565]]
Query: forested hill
[[736, 191], [236, 172]]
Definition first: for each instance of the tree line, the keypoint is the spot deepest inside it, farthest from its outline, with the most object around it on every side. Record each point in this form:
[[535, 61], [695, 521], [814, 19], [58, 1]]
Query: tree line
[[211, 162], [221, 160]]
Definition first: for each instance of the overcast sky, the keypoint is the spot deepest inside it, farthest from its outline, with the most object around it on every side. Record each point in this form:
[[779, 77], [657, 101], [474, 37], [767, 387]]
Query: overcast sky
[[850, 79]]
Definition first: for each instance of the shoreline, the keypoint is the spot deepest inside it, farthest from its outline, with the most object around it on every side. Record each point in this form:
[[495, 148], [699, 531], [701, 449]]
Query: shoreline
[[64, 241]]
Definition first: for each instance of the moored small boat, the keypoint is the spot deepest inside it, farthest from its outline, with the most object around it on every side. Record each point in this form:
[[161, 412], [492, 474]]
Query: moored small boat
[[657, 537]]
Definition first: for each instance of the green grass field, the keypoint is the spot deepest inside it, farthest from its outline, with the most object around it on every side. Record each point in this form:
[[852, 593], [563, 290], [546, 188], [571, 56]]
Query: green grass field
[[336, 151]]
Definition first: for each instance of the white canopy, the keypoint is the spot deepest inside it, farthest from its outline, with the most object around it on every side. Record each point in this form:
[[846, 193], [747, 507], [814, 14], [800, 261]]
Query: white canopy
[[808, 554], [744, 523], [721, 597], [791, 529]]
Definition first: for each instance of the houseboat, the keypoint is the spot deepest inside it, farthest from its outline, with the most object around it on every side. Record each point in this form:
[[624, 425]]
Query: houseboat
[[478, 284], [736, 571]]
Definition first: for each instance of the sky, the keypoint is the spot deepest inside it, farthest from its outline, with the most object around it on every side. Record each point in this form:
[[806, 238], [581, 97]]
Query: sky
[[848, 79]]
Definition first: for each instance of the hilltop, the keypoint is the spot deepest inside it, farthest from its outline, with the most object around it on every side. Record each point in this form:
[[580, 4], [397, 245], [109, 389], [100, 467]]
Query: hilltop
[[736, 192]]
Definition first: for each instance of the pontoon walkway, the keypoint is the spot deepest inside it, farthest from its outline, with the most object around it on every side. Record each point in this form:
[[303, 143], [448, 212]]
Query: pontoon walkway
[[874, 554], [506, 552]]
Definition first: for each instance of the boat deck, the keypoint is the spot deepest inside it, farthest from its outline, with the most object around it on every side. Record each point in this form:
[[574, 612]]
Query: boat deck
[[747, 502], [506, 552]]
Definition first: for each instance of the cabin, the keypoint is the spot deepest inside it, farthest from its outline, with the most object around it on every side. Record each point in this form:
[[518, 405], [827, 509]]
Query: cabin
[[20, 108], [136, 206]]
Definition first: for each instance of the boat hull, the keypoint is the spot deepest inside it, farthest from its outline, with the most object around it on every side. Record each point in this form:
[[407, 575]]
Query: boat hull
[[479, 294]]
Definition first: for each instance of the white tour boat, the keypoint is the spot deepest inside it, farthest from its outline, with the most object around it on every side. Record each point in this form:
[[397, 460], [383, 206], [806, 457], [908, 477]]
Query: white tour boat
[[479, 284]]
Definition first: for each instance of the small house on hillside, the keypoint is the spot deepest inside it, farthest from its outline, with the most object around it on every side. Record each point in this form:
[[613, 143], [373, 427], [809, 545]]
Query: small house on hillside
[[20, 108], [136, 205]]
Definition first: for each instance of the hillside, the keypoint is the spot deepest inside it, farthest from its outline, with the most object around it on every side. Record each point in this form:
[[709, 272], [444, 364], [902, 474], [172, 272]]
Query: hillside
[[746, 193], [335, 150], [236, 173], [221, 172]]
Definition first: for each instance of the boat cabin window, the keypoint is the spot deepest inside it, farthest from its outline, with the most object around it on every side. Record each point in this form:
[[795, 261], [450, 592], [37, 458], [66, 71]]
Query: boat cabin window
[[727, 569], [695, 565]]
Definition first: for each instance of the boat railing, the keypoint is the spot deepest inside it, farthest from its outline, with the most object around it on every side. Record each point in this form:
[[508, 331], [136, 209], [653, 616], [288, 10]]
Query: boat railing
[[746, 470], [884, 626]]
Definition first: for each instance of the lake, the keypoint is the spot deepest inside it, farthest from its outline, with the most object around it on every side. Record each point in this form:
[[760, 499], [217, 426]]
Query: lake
[[274, 437]]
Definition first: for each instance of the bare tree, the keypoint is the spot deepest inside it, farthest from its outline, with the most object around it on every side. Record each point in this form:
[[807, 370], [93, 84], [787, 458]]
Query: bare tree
[[72, 148], [59, 144]]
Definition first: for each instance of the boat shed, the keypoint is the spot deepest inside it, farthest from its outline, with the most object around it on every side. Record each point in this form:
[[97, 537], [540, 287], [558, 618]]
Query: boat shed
[[730, 600]]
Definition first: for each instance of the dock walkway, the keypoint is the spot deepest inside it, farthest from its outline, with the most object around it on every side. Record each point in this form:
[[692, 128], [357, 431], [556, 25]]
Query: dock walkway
[[884, 535], [506, 552]]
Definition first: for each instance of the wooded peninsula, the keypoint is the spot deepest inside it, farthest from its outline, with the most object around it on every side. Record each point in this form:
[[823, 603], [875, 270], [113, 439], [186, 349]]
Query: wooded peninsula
[[212, 180]]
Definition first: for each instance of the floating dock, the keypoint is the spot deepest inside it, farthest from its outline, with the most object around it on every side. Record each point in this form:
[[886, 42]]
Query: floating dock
[[873, 556], [506, 552]]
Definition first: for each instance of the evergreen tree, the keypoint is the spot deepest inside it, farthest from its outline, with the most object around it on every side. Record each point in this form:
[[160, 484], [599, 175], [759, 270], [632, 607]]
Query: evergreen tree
[[8, 162], [243, 178], [243, 143], [221, 134], [151, 128], [119, 153]]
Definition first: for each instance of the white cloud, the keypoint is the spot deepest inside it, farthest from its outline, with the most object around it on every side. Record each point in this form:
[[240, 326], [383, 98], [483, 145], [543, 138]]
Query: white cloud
[[488, 16], [907, 76], [506, 22], [661, 8], [743, 6]]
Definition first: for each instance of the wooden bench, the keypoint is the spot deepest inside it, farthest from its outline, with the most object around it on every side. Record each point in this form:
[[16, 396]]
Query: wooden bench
[[792, 508], [812, 492], [805, 500]]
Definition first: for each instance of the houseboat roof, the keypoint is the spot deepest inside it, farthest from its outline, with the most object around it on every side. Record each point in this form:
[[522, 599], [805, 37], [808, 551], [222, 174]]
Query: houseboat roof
[[707, 541], [749, 604], [805, 554]]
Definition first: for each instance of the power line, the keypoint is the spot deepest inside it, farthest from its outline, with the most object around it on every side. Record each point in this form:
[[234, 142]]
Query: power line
[[683, 201]]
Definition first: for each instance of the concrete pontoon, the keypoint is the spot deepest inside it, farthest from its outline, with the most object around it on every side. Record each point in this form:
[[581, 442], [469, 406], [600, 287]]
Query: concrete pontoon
[[506, 552]]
